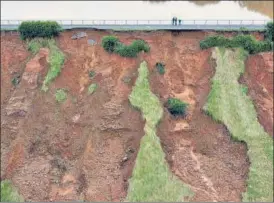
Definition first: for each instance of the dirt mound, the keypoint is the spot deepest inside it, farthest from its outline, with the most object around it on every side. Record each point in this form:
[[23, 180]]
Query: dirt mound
[[259, 79]]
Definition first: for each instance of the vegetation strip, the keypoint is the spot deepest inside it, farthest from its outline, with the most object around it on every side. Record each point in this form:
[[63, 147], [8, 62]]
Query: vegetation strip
[[151, 179], [56, 58], [227, 103], [9, 193], [247, 42]]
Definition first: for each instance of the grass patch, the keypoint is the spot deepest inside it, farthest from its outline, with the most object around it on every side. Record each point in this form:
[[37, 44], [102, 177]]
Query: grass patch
[[60, 95], [56, 58], [151, 179], [227, 103], [92, 88], [9, 193], [160, 68]]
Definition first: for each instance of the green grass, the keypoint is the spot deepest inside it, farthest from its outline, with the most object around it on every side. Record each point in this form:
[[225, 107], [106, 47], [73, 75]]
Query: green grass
[[151, 179], [56, 58], [227, 103], [9, 193], [60, 95], [34, 45], [92, 88]]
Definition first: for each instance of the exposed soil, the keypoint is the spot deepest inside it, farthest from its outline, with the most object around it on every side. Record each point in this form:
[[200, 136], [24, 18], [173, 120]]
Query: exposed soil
[[85, 148], [259, 79], [198, 149], [13, 54]]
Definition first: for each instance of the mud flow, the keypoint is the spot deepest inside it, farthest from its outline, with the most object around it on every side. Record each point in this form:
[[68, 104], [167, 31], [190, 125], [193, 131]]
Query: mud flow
[[85, 148]]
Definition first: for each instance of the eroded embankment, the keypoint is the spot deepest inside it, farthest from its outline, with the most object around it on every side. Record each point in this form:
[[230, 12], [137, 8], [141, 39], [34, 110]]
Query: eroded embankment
[[229, 104], [199, 150], [151, 178], [11, 67], [85, 148], [259, 79]]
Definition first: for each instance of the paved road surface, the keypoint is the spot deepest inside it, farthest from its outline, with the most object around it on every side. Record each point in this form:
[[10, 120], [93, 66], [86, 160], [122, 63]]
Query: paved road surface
[[154, 27]]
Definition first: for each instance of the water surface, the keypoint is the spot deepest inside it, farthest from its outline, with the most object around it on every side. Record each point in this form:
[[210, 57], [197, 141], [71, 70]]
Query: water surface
[[136, 10]]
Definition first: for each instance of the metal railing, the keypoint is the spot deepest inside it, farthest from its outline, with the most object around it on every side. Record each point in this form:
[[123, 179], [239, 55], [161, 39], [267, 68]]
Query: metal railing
[[147, 22]]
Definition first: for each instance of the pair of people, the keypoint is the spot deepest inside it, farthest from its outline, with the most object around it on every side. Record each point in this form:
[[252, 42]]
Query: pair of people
[[174, 21]]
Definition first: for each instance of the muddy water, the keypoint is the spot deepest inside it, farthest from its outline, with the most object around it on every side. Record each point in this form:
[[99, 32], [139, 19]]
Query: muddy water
[[143, 10]]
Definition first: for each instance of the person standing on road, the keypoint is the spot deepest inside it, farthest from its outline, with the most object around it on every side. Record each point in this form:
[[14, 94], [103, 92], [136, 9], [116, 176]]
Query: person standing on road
[[175, 20]]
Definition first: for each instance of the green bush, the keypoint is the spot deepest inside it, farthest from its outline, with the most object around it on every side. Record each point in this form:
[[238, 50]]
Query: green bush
[[176, 107], [91, 74], [15, 80], [126, 51], [32, 29], [112, 44], [109, 43], [244, 30], [160, 68], [60, 95], [269, 33], [140, 45], [247, 42], [92, 88], [215, 40]]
